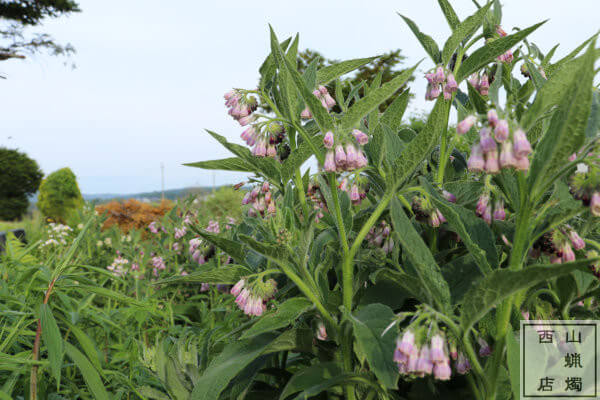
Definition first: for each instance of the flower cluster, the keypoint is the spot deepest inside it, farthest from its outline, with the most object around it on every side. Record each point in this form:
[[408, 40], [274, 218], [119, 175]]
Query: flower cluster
[[252, 298], [357, 190], [485, 210], [440, 81], [241, 106], [261, 201], [180, 232], [380, 237], [57, 234], [421, 358], [159, 265], [426, 213], [323, 95], [559, 245], [343, 154], [506, 57], [496, 148], [119, 266], [481, 83]]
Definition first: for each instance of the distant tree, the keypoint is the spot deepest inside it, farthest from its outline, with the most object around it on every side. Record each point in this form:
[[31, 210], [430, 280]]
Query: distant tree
[[59, 195], [18, 16], [20, 177]]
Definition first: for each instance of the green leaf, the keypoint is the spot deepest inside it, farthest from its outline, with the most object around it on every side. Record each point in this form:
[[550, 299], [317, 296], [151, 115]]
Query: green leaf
[[320, 114], [267, 165], [299, 156], [152, 394], [233, 360], [90, 375], [473, 231], [334, 71], [274, 252], [463, 31], [369, 324], [426, 41], [450, 14], [52, 339], [501, 284], [407, 283], [285, 315], [552, 69], [310, 376], [231, 247], [567, 126], [461, 273], [421, 146], [88, 346], [593, 125], [488, 53], [225, 164], [226, 274], [372, 101], [419, 255], [392, 116], [477, 100], [345, 379], [269, 67]]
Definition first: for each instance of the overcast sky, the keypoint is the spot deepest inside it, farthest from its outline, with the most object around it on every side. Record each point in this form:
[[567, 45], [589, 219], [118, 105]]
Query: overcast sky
[[150, 75]]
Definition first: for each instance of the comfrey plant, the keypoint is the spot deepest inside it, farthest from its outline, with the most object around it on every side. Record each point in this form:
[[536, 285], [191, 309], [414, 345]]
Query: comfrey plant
[[406, 260]]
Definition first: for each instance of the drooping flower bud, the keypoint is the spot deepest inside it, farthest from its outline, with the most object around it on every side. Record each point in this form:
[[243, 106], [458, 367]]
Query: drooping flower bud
[[328, 140], [340, 157], [507, 157], [424, 363], [484, 85], [466, 124], [463, 365], [437, 349], [474, 81], [522, 147], [595, 204], [447, 93], [492, 117], [482, 204], [407, 343], [449, 196], [442, 370], [522, 163], [499, 213], [567, 253], [451, 84], [492, 165], [329, 164], [476, 161], [484, 349], [321, 331], [306, 114], [501, 131], [500, 32], [439, 75], [576, 240], [237, 288], [487, 142], [360, 137], [351, 156], [354, 195]]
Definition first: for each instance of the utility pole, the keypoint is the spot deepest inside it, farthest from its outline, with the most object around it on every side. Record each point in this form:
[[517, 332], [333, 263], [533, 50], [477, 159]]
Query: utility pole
[[162, 180]]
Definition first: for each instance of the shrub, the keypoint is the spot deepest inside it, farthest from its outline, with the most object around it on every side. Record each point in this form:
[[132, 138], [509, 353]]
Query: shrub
[[59, 195], [132, 214], [19, 179], [225, 201]]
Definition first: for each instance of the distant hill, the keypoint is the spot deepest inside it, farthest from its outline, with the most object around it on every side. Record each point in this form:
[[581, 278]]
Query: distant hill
[[172, 194]]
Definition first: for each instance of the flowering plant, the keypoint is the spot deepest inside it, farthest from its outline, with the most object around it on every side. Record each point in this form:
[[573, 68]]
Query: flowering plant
[[403, 253]]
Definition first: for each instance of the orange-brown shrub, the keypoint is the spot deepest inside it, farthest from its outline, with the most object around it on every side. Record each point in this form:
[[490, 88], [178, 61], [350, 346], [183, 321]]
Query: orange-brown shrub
[[132, 213]]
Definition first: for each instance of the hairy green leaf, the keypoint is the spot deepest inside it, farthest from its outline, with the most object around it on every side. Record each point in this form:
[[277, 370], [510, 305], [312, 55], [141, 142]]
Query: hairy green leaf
[[225, 164], [90, 375], [463, 31], [285, 315], [426, 41], [52, 339], [334, 71]]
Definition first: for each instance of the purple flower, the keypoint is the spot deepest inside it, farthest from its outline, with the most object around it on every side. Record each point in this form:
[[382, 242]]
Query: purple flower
[[437, 349], [576, 240], [321, 331], [492, 116], [407, 343], [424, 363], [487, 142], [567, 253], [492, 165], [466, 124], [306, 114], [521, 146], [499, 213], [328, 140], [442, 371], [329, 164], [449, 196], [501, 131], [237, 288], [484, 349], [354, 195], [340, 157], [507, 157], [360, 137], [474, 81], [451, 84], [439, 75], [351, 156], [476, 161], [522, 163], [595, 204], [484, 85], [462, 364]]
